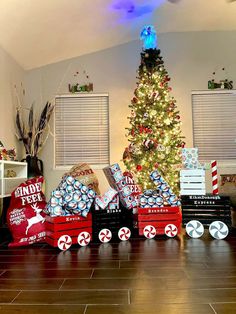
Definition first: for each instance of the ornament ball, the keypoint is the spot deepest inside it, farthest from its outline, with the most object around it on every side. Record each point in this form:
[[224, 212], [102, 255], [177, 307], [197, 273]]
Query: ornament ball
[[138, 167]]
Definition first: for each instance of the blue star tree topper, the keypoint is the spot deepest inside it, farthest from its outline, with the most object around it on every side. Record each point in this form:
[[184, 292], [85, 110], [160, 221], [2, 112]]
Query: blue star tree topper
[[149, 37]]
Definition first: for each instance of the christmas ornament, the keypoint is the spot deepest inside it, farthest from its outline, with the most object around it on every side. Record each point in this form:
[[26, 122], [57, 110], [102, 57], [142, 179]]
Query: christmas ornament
[[139, 167], [161, 147], [149, 144]]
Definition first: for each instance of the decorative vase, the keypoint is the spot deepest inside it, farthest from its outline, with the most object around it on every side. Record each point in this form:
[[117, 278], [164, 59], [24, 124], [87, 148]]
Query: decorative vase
[[35, 166]]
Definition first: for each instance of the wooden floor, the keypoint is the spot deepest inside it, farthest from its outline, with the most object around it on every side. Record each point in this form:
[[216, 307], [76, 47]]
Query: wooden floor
[[164, 276]]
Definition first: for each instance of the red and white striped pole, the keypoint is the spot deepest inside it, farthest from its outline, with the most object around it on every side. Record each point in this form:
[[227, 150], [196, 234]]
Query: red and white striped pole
[[215, 189]]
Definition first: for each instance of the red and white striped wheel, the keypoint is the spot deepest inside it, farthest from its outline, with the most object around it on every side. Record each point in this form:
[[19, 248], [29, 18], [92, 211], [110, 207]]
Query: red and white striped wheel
[[124, 234], [105, 235], [84, 238], [64, 242], [149, 232], [171, 230]]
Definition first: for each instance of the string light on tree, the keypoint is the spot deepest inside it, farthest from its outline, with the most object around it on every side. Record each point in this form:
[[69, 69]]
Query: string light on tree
[[154, 128]]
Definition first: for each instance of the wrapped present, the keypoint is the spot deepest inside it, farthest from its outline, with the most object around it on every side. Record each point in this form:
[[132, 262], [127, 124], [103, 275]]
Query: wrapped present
[[190, 158], [71, 197], [109, 198], [117, 181], [169, 198], [150, 199]]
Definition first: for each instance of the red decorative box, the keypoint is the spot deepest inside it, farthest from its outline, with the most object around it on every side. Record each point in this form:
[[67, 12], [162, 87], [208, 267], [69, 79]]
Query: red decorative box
[[159, 218], [66, 225]]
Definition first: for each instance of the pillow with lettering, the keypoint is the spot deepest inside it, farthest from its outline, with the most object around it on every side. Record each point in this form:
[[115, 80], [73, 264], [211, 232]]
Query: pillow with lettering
[[25, 216]]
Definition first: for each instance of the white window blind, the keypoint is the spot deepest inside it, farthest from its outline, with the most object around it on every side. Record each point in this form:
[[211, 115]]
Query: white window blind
[[214, 124], [82, 129]]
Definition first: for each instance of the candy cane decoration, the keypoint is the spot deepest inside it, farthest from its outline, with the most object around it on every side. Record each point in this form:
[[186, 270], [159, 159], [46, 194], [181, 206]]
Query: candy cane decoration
[[214, 177]]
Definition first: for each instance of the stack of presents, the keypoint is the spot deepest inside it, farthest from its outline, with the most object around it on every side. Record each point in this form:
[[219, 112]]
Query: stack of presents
[[77, 214], [196, 204]]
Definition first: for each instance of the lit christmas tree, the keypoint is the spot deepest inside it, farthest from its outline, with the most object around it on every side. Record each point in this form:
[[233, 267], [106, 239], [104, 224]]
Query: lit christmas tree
[[154, 133]]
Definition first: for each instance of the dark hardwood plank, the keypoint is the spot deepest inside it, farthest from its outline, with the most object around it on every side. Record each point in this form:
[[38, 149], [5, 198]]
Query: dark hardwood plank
[[200, 283], [8, 296], [139, 273], [25, 258], [73, 297], [30, 284], [75, 284], [164, 264], [224, 308], [150, 309], [183, 296], [47, 273], [62, 264], [42, 309]]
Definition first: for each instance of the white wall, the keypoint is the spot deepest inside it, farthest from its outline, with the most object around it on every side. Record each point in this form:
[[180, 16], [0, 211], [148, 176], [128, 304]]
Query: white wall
[[11, 74], [190, 59]]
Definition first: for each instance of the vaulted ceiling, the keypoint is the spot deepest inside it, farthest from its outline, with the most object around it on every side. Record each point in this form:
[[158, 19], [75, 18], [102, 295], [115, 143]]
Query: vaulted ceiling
[[40, 32]]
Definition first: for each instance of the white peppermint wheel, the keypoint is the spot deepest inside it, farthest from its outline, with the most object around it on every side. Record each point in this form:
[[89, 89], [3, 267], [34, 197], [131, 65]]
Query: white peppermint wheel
[[105, 235], [84, 238], [171, 230], [64, 242], [124, 234], [194, 229], [218, 230], [149, 232]]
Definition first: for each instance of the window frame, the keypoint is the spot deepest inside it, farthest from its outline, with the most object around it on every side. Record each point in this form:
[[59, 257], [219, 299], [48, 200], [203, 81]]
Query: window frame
[[76, 95], [221, 163]]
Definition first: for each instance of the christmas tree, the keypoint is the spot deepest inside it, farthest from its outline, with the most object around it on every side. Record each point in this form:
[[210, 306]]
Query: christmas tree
[[154, 133]]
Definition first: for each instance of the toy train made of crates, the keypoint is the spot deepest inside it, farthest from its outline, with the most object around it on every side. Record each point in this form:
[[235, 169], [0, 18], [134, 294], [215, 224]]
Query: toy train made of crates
[[198, 212]]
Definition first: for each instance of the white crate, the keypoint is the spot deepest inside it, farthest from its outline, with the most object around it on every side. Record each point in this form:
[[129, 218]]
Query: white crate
[[192, 182]]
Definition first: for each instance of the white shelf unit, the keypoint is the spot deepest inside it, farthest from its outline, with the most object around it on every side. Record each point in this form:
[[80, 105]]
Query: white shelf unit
[[7, 185]]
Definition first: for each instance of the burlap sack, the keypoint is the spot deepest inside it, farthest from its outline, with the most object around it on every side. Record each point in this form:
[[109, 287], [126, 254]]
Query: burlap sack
[[85, 174]]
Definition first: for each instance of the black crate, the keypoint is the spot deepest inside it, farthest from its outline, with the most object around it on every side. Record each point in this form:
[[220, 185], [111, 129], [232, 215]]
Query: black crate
[[206, 209], [111, 219]]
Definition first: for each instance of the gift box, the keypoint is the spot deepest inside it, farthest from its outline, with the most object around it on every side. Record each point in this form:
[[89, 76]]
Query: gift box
[[117, 181], [169, 198], [71, 197], [109, 200], [150, 199], [190, 158]]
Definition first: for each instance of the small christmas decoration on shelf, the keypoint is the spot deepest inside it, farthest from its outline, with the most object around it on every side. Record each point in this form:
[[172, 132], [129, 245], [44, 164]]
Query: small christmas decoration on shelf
[[223, 84], [77, 87], [7, 154]]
